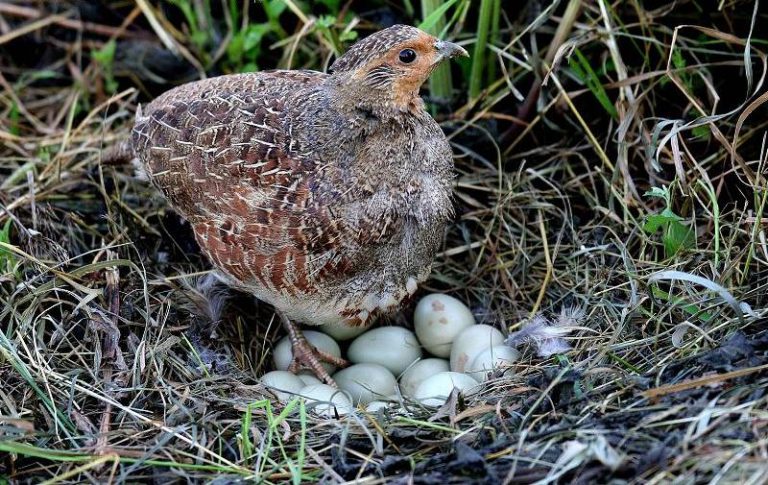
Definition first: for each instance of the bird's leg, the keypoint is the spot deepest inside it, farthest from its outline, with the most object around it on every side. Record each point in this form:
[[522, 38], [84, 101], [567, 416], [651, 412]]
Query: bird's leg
[[306, 355]]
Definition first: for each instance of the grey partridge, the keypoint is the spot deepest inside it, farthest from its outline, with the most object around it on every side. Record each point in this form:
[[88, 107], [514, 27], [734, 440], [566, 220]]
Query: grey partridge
[[325, 195]]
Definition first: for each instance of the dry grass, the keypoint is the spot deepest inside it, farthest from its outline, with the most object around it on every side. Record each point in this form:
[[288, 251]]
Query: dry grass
[[114, 367]]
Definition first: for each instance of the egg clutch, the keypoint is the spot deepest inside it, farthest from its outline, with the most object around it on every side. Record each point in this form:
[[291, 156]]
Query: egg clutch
[[448, 351]]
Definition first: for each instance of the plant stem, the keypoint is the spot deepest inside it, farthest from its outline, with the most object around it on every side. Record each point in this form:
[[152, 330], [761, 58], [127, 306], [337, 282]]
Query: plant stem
[[478, 55], [440, 83], [493, 40]]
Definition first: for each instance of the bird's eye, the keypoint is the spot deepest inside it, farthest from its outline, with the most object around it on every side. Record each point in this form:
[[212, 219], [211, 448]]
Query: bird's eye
[[407, 56]]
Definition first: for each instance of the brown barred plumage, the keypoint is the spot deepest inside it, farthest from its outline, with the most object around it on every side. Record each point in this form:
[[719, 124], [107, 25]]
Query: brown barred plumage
[[325, 195]]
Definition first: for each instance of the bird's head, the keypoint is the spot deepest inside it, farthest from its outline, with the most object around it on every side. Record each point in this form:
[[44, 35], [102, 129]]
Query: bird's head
[[389, 66]]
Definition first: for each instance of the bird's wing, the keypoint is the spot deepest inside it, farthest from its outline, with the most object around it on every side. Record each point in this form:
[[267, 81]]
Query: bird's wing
[[224, 156]]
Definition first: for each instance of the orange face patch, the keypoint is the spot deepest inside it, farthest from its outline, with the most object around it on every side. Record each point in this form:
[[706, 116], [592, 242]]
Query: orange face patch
[[407, 76]]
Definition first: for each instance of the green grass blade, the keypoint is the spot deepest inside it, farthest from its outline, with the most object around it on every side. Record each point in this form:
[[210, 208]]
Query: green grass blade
[[581, 66], [433, 11], [476, 78], [8, 352], [493, 40]]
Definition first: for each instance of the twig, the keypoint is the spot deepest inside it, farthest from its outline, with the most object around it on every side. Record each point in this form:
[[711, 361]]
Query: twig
[[67, 23], [700, 382]]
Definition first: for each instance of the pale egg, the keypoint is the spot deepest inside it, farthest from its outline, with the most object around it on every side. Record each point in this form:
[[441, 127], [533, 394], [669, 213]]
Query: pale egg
[[308, 378], [484, 362], [366, 382], [471, 341], [375, 406], [418, 372], [434, 391], [282, 353], [326, 401], [393, 347], [282, 384], [341, 332], [438, 319]]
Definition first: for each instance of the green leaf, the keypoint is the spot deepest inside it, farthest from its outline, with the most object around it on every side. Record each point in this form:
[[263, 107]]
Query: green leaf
[[661, 192], [106, 54], [7, 259], [436, 15], [105, 57], [333, 5], [253, 36], [234, 12], [274, 8], [32, 76], [348, 36], [245, 46], [654, 222], [592, 80], [249, 67], [702, 132], [678, 60], [607, 67], [235, 48], [326, 21], [678, 237], [199, 38], [14, 117], [689, 308]]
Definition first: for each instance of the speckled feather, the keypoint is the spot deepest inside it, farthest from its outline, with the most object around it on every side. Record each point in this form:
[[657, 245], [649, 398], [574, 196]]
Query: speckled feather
[[374, 47], [324, 197]]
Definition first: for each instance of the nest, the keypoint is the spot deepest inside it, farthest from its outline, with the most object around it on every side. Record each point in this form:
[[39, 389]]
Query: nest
[[612, 160]]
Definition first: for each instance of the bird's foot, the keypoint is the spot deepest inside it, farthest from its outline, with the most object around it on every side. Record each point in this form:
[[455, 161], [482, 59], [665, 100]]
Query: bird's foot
[[307, 356]]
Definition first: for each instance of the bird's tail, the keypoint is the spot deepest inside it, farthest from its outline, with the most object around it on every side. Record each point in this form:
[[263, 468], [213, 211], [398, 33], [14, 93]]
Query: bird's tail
[[121, 153], [118, 154]]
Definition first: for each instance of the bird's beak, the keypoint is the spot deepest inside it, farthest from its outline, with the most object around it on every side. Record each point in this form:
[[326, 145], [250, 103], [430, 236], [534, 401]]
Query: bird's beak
[[447, 50]]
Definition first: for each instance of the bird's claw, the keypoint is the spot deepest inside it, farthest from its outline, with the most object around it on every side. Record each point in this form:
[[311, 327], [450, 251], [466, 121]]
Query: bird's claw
[[307, 356]]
